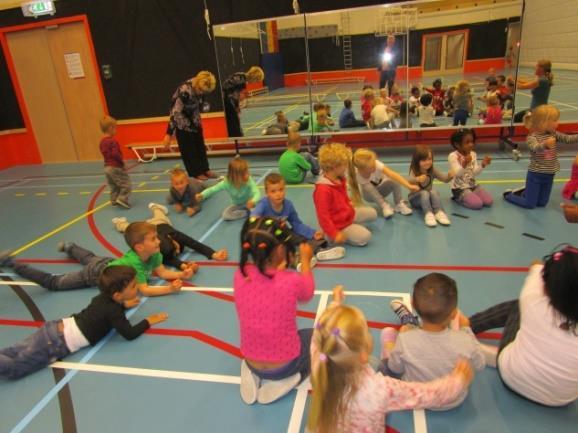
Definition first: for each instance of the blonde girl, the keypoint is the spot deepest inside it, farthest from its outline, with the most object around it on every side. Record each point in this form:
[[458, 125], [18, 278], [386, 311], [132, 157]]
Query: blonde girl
[[185, 123], [233, 88], [540, 87], [337, 217], [375, 181], [543, 144], [463, 103], [422, 173], [240, 186], [348, 395]]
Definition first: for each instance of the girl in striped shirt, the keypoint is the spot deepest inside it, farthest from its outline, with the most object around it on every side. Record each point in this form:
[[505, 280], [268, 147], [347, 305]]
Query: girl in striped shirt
[[543, 142]]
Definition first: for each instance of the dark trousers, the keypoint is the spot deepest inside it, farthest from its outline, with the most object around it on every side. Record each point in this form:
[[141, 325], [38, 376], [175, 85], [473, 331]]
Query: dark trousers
[[193, 151], [233, 120], [537, 192], [519, 116], [387, 77], [460, 117], [505, 315], [353, 124]]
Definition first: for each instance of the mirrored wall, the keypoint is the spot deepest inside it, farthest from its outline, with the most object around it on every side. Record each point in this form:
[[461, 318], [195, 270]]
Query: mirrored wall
[[412, 65]]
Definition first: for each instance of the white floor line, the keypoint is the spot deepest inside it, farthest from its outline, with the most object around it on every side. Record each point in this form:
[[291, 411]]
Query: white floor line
[[147, 372], [302, 391], [419, 421]]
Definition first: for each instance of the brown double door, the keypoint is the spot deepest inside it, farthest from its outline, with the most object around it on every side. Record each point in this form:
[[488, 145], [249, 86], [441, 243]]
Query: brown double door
[[56, 74]]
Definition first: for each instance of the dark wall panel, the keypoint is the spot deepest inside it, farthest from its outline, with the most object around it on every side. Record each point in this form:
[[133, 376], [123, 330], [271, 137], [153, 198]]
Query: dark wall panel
[[10, 116], [237, 55]]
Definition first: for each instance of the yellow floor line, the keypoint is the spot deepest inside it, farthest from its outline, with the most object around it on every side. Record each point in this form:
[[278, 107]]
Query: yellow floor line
[[62, 193], [19, 194], [141, 184], [40, 194], [59, 229], [84, 192]]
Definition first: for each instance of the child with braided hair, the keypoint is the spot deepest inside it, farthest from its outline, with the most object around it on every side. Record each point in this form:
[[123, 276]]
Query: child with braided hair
[[348, 395], [276, 354]]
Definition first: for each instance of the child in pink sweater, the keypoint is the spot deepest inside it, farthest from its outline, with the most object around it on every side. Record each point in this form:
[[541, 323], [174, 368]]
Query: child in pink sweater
[[266, 297], [569, 190]]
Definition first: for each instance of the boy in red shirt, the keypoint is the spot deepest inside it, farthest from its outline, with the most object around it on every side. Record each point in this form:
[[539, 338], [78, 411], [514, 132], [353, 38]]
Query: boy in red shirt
[[116, 175]]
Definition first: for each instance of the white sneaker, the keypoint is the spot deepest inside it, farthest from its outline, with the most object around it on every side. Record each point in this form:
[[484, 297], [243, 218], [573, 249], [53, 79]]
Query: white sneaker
[[516, 154], [118, 220], [312, 264], [403, 208], [249, 384], [442, 218], [160, 207], [430, 219], [334, 253], [272, 390], [387, 210]]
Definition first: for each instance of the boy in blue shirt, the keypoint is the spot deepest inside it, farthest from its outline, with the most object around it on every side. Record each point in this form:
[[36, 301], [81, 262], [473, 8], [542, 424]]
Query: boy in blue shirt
[[347, 117], [276, 205]]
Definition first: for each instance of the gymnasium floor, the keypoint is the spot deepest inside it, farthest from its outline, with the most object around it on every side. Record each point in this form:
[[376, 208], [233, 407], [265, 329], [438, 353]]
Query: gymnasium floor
[[182, 376], [295, 100]]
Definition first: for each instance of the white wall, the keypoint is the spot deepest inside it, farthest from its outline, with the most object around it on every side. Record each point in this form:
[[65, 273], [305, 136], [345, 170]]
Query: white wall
[[550, 31]]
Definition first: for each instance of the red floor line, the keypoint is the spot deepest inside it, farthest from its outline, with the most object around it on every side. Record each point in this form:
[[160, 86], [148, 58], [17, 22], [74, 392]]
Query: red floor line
[[94, 229], [198, 335]]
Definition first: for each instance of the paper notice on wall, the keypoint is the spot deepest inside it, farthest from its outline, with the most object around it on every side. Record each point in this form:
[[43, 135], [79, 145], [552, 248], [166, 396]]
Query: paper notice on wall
[[74, 65]]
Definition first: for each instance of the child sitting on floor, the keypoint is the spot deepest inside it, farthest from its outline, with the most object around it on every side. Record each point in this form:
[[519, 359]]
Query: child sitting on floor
[[347, 117], [430, 351], [241, 188], [293, 164], [569, 190], [425, 111], [59, 338]]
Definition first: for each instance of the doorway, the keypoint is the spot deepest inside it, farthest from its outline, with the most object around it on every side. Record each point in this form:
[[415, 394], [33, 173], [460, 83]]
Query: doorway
[[56, 73], [444, 53]]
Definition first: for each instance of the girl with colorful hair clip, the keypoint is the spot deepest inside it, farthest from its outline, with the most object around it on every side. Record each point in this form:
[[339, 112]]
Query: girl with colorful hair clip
[[275, 352], [348, 395], [538, 352]]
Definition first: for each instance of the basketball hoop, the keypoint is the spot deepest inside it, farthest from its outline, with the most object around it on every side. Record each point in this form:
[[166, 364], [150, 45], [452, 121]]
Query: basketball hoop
[[395, 21]]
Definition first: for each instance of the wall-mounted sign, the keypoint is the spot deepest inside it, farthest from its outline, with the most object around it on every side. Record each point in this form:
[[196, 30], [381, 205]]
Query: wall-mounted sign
[[74, 65], [38, 8]]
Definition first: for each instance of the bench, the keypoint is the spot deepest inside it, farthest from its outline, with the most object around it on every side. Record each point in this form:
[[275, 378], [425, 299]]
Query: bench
[[148, 151], [317, 81]]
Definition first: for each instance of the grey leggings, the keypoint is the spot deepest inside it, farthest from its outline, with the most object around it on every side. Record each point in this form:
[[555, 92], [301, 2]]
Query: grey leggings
[[429, 201], [235, 212], [377, 194], [357, 234]]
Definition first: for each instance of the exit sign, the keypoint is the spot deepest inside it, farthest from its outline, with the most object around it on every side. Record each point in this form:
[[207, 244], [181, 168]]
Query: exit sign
[[37, 8]]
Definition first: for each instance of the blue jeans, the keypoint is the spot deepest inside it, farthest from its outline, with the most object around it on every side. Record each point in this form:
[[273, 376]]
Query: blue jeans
[[460, 117], [301, 364], [35, 352], [537, 192], [313, 161], [429, 201]]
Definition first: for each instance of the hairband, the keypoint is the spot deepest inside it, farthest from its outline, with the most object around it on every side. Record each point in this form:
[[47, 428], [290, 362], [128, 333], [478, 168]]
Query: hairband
[[322, 357], [246, 245], [262, 245]]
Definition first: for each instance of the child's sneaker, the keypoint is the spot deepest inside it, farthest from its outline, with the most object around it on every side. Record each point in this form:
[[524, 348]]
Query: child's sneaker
[[403, 208], [272, 390], [507, 192], [442, 218], [333, 253], [387, 210], [388, 337], [516, 154], [123, 204], [118, 220], [6, 259], [159, 207], [64, 247], [430, 219], [249, 384], [312, 264], [405, 316]]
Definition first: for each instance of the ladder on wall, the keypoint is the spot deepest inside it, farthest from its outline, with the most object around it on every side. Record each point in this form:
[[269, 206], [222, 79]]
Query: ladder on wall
[[346, 41]]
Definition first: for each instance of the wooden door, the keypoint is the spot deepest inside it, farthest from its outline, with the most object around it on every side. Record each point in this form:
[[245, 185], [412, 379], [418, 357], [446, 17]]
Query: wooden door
[[61, 92]]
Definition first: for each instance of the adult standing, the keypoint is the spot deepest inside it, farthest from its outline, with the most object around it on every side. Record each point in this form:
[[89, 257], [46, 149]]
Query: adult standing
[[540, 87], [538, 351], [185, 123], [390, 58], [232, 90]]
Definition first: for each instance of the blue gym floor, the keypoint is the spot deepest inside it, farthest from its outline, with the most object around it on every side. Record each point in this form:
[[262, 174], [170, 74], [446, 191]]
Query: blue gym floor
[[183, 376], [260, 110]]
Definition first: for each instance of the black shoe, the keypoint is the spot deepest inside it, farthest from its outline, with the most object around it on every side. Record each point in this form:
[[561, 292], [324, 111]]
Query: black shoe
[[6, 259], [506, 193]]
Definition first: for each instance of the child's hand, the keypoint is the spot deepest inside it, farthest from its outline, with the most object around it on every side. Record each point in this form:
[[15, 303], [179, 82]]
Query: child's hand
[[486, 161], [190, 265], [421, 178], [187, 273], [413, 188], [340, 237], [463, 320], [536, 262], [199, 197], [220, 255], [153, 319], [176, 285], [318, 236], [179, 207], [167, 142], [550, 142], [451, 174], [338, 294], [250, 204], [191, 211], [305, 252], [570, 212], [463, 368], [130, 303]]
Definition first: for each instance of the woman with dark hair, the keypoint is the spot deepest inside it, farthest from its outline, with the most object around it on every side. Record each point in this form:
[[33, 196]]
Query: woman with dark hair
[[232, 88], [540, 87], [538, 352], [185, 122]]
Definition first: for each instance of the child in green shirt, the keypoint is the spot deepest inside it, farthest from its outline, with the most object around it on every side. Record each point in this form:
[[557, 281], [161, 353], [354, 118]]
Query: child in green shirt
[[293, 165]]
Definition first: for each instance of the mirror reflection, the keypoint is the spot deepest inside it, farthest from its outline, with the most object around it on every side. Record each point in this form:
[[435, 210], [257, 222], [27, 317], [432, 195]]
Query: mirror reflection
[[263, 70]]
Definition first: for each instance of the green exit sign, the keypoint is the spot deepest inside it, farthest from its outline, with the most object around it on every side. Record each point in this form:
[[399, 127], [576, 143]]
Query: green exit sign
[[37, 8]]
